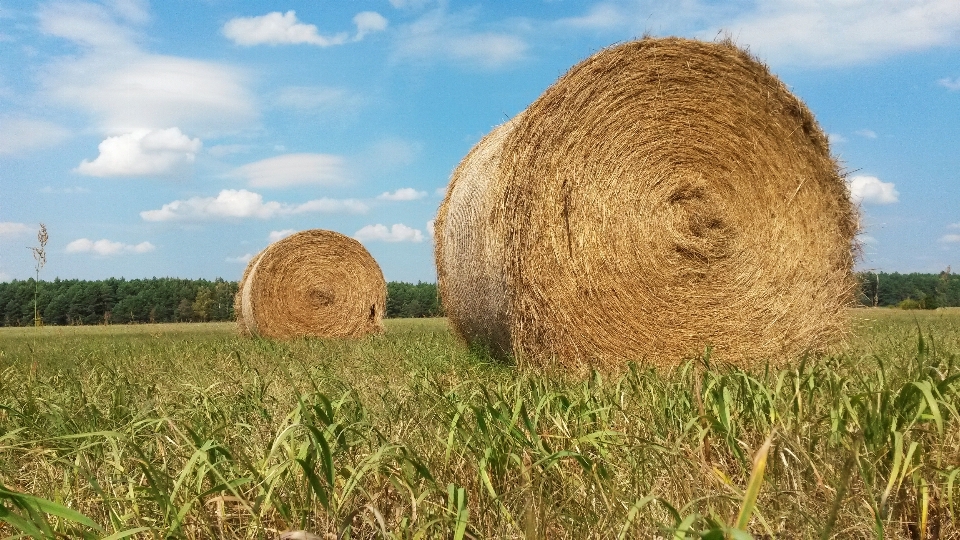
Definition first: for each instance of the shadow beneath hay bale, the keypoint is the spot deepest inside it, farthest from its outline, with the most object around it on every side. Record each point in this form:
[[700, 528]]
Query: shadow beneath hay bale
[[482, 353]]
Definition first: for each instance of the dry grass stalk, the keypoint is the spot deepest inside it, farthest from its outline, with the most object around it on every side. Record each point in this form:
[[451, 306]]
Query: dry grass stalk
[[313, 283], [663, 196]]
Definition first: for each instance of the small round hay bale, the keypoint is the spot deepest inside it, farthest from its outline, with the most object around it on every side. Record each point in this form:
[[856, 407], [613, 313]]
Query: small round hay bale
[[313, 283], [663, 196]]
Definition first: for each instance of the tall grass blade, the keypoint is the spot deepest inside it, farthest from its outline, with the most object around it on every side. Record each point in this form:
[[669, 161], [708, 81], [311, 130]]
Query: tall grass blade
[[632, 515], [126, 534], [753, 486]]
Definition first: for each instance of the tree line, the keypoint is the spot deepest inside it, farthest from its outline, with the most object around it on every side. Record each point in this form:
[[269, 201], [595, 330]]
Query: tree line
[[157, 300], [925, 291]]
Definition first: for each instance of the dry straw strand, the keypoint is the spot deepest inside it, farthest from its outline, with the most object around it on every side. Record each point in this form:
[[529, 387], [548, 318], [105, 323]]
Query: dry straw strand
[[663, 196], [314, 283]]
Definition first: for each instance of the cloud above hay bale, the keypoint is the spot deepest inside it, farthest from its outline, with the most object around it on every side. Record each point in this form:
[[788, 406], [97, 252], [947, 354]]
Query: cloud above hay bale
[[951, 238], [277, 28], [86, 23], [64, 190], [127, 89], [600, 17], [19, 135], [410, 4], [950, 84], [294, 170], [318, 99], [143, 153], [242, 259], [395, 233], [836, 138], [839, 32], [828, 32], [106, 247], [139, 91], [233, 204], [11, 229], [402, 194], [872, 190], [442, 36], [368, 22], [275, 236]]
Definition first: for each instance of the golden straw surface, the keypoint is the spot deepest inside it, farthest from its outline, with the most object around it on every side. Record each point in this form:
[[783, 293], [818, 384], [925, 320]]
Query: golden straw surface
[[469, 253], [313, 283], [663, 196]]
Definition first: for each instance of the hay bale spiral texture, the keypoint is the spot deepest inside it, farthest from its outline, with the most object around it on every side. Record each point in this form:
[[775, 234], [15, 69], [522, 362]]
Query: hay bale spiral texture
[[470, 257], [313, 283], [663, 196]]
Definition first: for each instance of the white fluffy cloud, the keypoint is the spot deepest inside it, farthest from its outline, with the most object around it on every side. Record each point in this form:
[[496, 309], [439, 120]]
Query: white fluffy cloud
[[838, 32], [86, 23], [143, 153], [442, 36], [127, 89], [64, 190], [836, 138], [107, 247], [402, 194], [799, 32], [409, 4], [602, 16], [431, 228], [950, 84], [242, 259], [231, 204], [951, 238], [867, 133], [871, 190], [19, 135], [135, 11], [293, 170], [142, 91], [396, 233], [318, 99], [368, 22], [277, 28], [280, 235], [10, 229]]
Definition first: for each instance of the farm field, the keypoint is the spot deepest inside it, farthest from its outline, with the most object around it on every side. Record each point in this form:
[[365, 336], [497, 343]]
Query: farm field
[[189, 431]]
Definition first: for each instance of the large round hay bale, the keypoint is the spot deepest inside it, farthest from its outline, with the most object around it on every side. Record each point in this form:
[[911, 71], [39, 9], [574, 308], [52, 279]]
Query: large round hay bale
[[238, 297], [313, 283], [469, 249], [663, 196]]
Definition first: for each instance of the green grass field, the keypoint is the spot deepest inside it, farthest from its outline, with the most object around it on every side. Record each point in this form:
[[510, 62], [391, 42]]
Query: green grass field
[[188, 431]]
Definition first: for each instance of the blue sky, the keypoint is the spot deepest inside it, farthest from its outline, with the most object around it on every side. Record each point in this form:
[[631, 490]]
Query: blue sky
[[178, 138]]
